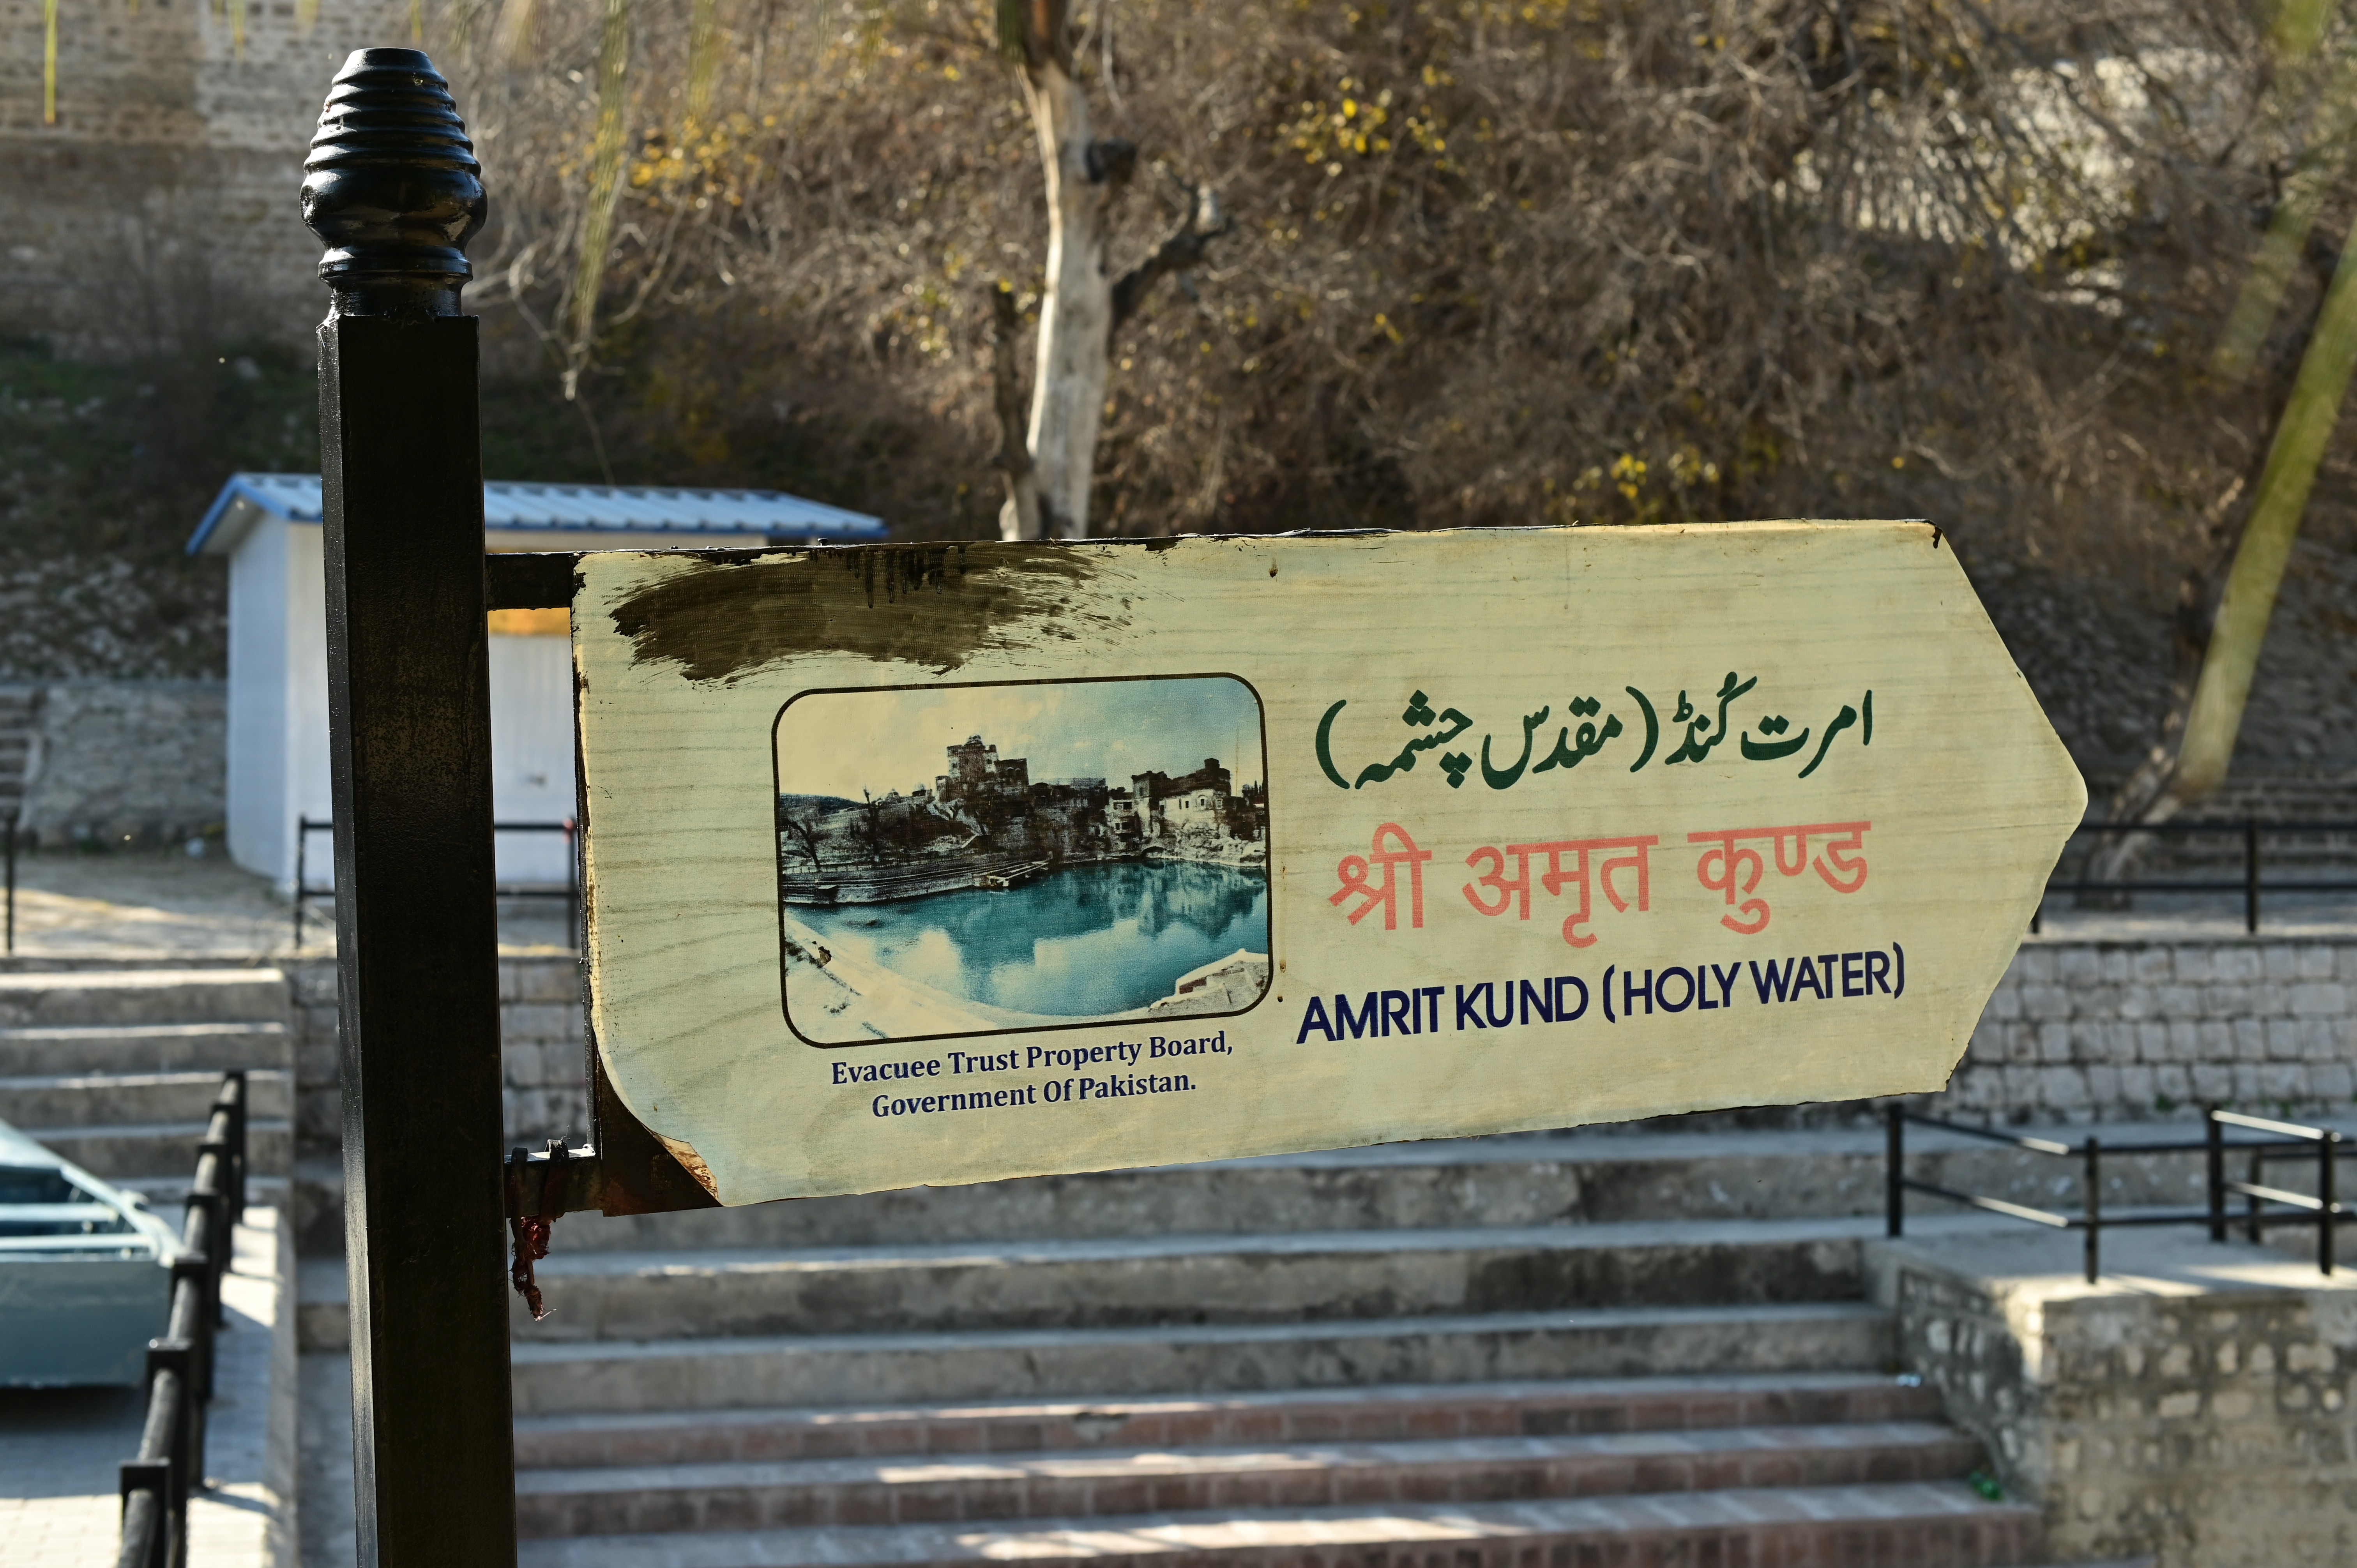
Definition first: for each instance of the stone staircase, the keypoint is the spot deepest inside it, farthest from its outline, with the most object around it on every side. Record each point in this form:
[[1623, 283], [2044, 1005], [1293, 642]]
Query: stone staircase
[[116, 1069], [1635, 1349], [2288, 857]]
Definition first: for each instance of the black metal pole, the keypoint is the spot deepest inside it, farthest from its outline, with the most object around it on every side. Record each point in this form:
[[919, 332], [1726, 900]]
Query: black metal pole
[[2250, 876], [1894, 1196], [12, 882], [2094, 1206], [393, 187], [2257, 1177], [2328, 1215], [2217, 1172], [302, 839]]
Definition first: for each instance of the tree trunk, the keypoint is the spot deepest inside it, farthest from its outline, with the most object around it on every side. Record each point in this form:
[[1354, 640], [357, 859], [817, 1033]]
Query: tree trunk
[[2249, 601], [2212, 716], [1047, 476], [1019, 517], [1068, 384]]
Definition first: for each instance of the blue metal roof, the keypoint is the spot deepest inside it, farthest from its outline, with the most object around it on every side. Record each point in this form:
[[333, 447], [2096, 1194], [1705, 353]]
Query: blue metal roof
[[581, 509]]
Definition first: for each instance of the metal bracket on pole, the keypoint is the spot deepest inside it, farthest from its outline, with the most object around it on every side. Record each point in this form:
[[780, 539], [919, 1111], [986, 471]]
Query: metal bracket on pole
[[392, 188], [554, 1182]]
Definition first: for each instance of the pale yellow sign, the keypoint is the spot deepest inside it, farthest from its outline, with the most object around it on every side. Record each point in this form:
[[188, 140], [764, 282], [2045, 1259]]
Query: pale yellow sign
[[948, 863]]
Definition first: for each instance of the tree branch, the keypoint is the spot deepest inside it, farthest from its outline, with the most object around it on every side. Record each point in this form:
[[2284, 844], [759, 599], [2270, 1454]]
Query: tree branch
[[1204, 222], [1019, 519]]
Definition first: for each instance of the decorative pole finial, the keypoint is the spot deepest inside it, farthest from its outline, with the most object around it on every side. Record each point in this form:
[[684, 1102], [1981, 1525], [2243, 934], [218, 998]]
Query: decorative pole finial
[[392, 188]]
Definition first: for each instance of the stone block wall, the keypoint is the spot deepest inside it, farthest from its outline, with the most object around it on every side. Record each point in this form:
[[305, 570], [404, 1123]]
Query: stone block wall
[[138, 762], [544, 1073], [160, 208], [319, 1096], [2108, 1031], [2213, 1428], [542, 1060]]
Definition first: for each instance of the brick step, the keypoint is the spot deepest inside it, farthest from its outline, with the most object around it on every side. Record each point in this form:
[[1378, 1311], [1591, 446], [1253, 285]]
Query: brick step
[[557, 1377], [941, 1489], [161, 1149], [147, 1048], [1380, 1414], [1902, 1525], [95, 1099], [46, 999], [1196, 1279]]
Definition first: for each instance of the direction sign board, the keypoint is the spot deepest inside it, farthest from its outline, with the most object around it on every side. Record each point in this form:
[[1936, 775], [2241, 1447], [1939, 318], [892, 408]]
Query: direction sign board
[[946, 863]]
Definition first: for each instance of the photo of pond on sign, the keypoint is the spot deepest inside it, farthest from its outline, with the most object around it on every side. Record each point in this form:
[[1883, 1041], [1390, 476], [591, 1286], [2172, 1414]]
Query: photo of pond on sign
[[962, 860]]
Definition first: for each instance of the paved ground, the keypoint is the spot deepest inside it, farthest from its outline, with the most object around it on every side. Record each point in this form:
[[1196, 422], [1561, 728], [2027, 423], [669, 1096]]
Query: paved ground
[[325, 1480], [59, 1447], [161, 903]]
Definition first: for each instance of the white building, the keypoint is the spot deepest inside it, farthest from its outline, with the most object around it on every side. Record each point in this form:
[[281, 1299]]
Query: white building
[[1195, 809], [268, 526]]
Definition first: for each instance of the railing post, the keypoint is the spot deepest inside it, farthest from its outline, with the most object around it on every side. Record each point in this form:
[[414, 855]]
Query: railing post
[[171, 1397], [2257, 1177], [2217, 1172], [1894, 1174], [2251, 876], [392, 188], [146, 1485], [12, 882], [302, 873], [2094, 1206], [234, 1088], [194, 1331], [2327, 1217]]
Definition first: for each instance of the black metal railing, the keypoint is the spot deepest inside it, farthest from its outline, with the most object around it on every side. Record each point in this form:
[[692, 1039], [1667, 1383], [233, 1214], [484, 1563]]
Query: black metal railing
[[2249, 885], [171, 1459], [571, 892], [2262, 1205], [9, 834]]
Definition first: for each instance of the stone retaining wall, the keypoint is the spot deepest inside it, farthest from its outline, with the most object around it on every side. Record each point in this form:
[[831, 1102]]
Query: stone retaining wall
[[2077, 1032], [127, 762], [2105, 1031], [545, 1086], [542, 1060], [2207, 1422]]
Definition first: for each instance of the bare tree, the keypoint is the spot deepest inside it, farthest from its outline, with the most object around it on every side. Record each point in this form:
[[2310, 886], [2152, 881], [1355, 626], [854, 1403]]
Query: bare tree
[[1047, 476], [1613, 263], [871, 827], [805, 829]]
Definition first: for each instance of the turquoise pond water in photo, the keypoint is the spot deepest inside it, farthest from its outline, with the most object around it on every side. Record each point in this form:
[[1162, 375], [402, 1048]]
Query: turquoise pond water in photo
[[1080, 942]]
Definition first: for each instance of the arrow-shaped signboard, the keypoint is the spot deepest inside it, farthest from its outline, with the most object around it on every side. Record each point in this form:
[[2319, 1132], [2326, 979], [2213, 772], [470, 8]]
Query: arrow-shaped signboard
[[940, 864]]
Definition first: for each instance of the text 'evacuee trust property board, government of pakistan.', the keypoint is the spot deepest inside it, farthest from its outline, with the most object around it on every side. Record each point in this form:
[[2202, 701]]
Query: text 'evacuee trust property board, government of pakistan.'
[[951, 863]]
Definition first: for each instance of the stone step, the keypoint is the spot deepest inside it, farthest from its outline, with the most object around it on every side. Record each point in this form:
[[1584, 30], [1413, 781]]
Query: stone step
[[97, 1100], [559, 1378], [940, 1489], [1379, 1415], [1195, 1279], [167, 1194], [1577, 1178], [50, 998], [1900, 1525], [161, 1149], [147, 1048]]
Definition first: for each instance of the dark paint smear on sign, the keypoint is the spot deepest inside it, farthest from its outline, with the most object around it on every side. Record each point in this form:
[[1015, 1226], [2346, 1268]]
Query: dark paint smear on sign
[[934, 606]]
